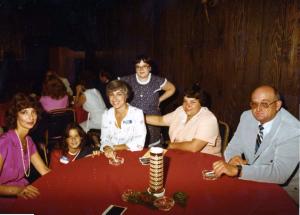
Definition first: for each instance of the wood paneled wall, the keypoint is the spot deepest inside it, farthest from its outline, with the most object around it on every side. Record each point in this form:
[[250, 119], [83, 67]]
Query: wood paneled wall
[[245, 43], [234, 47]]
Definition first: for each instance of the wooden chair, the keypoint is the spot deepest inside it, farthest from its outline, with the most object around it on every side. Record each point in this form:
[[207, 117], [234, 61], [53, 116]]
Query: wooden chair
[[224, 132], [57, 121]]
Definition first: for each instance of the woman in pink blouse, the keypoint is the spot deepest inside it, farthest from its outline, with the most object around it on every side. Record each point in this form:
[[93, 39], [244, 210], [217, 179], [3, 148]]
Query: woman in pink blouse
[[54, 95], [18, 152], [192, 126]]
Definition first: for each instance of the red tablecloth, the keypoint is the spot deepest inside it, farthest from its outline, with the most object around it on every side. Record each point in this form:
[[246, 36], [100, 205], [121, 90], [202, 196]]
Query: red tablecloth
[[90, 185]]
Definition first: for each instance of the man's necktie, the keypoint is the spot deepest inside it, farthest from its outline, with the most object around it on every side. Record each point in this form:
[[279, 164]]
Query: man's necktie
[[259, 137]]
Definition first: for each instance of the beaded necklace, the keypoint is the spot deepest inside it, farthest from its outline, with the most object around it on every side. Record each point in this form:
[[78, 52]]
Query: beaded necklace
[[22, 155]]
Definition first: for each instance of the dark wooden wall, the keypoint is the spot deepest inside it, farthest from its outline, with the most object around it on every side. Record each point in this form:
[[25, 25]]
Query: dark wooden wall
[[245, 43], [239, 45]]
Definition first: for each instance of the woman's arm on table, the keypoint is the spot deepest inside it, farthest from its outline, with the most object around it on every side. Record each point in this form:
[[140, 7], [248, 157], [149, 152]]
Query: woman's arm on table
[[20, 191]]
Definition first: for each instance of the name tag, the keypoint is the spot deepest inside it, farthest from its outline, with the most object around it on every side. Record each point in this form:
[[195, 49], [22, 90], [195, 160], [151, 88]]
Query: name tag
[[64, 160], [127, 121]]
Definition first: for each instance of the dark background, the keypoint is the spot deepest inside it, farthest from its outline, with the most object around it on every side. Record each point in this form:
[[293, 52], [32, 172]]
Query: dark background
[[234, 47]]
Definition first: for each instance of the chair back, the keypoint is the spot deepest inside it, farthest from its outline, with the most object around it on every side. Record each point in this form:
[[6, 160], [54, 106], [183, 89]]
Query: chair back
[[57, 121], [224, 133]]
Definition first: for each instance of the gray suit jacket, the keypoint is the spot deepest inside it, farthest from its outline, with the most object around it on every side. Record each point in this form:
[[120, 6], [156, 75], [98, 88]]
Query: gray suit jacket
[[277, 159]]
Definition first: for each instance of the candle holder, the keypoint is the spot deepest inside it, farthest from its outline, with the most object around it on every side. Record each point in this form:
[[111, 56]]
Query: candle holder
[[156, 173]]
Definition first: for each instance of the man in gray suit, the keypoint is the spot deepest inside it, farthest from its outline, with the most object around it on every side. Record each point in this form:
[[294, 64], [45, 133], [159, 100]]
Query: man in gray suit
[[265, 146]]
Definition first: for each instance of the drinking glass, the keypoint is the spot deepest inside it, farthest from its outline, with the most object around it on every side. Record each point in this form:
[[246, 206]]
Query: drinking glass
[[209, 175], [116, 160]]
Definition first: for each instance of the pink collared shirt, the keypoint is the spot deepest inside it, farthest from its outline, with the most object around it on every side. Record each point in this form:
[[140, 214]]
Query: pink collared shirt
[[202, 126]]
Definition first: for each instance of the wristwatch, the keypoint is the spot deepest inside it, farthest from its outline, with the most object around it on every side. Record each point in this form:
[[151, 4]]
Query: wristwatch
[[239, 167]]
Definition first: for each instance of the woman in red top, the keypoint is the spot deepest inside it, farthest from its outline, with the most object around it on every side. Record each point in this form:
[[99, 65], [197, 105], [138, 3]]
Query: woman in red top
[[74, 147]]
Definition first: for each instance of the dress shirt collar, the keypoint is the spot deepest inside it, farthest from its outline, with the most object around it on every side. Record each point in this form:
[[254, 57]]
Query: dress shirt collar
[[267, 127], [195, 116]]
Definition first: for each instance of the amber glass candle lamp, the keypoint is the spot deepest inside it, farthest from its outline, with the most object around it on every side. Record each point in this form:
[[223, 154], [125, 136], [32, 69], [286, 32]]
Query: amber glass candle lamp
[[156, 172]]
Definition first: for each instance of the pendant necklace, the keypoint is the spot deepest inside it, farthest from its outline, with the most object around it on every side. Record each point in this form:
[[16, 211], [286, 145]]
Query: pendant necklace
[[22, 155], [76, 154]]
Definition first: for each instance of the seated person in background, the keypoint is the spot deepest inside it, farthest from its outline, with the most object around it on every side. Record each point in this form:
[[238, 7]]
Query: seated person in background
[[17, 149], [103, 79], [123, 126], [64, 80], [54, 94], [192, 127], [73, 148], [265, 146], [92, 102]]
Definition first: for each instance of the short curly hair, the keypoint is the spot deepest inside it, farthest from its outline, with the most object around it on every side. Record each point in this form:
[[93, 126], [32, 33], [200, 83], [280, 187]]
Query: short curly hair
[[20, 102], [143, 57]]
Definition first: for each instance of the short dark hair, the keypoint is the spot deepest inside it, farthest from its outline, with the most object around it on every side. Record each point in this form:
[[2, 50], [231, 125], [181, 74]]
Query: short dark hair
[[118, 85], [81, 133], [144, 58], [19, 102], [198, 93]]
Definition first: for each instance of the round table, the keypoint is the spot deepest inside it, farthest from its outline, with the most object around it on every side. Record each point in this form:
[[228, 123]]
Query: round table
[[88, 186]]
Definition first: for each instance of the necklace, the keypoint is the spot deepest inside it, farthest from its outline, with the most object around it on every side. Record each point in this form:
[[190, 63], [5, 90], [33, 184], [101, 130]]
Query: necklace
[[22, 155], [76, 154]]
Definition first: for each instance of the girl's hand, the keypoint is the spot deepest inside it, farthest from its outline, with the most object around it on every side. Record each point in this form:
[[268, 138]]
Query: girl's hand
[[109, 152], [96, 153]]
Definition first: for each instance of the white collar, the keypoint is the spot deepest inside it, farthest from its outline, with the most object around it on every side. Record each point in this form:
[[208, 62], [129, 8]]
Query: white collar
[[267, 126], [195, 116], [143, 82]]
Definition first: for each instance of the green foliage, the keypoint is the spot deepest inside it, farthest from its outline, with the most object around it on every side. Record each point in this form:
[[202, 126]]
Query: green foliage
[[147, 199], [143, 198], [180, 198]]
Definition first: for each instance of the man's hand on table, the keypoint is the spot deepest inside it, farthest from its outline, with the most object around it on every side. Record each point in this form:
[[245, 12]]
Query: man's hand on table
[[237, 160], [221, 167]]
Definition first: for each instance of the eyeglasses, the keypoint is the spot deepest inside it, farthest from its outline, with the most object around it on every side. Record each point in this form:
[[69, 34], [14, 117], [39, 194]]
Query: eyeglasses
[[141, 67], [263, 105]]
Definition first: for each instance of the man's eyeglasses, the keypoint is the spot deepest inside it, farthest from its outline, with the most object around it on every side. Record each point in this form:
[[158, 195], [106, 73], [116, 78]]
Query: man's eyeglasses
[[141, 67], [264, 105]]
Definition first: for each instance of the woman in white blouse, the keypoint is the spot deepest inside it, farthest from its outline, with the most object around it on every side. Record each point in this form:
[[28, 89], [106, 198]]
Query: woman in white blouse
[[123, 126], [92, 102]]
